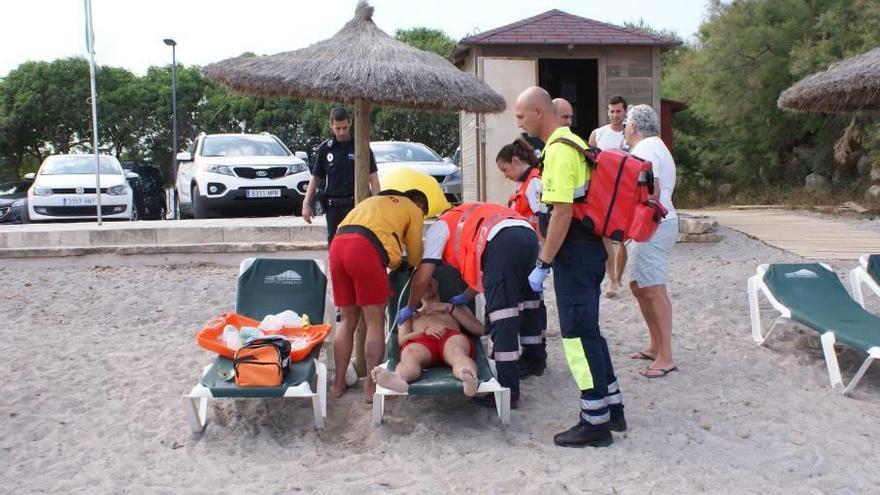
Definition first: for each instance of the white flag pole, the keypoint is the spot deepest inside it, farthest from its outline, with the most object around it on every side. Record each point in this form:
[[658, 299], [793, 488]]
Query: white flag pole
[[90, 46]]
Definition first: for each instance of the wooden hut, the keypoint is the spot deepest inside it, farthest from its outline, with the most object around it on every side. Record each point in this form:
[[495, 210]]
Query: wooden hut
[[579, 59]]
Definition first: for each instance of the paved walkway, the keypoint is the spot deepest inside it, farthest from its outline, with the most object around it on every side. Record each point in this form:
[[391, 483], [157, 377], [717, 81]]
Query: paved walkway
[[812, 238]]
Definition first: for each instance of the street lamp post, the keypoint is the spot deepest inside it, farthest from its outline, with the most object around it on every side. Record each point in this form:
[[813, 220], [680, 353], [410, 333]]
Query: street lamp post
[[173, 44]]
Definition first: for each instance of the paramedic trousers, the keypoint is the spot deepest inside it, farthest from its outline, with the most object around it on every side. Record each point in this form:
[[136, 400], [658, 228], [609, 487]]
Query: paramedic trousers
[[507, 261], [578, 271]]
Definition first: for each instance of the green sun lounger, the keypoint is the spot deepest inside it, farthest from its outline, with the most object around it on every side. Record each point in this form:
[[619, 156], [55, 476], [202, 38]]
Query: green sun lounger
[[437, 380], [811, 294], [269, 286], [867, 273]]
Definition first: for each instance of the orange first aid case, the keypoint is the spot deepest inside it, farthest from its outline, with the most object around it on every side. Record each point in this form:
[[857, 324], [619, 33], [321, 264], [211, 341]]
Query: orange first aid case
[[302, 339]]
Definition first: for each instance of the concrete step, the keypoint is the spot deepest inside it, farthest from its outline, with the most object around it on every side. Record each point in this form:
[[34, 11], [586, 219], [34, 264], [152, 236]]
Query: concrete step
[[274, 230]]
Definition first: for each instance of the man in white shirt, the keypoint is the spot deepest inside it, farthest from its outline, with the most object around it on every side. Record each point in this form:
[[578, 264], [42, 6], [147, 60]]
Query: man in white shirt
[[610, 137], [649, 261]]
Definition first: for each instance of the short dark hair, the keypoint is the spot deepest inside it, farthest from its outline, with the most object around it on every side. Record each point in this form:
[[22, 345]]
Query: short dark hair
[[339, 114], [617, 100], [419, 198]]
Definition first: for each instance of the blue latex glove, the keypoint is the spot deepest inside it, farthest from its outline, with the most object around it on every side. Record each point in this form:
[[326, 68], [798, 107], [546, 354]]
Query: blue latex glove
[[460, 299], [405, 314], [536, 278]]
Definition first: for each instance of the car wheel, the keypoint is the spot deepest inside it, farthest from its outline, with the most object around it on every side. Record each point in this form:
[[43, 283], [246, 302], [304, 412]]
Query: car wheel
[[25, 215], [134, 214], [198, 204], [298, 208]]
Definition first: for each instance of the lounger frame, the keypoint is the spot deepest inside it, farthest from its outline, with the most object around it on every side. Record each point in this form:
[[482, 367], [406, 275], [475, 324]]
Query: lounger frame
[[858, 276], [195, 403], [756, 283], [502, 394]]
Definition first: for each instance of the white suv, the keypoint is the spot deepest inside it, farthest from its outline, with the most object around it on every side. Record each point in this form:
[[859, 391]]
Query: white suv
[[240, 171]]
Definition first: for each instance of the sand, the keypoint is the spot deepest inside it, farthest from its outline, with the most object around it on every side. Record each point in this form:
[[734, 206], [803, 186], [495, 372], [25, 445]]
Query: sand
[[98, 352]]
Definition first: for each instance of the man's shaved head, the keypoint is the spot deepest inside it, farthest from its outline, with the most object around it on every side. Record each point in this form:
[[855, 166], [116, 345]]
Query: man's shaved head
[[564, 111], [535, 113]]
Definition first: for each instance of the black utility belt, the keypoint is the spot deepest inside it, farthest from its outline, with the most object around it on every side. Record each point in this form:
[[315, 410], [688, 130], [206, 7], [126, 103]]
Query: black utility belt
[[339, 202]]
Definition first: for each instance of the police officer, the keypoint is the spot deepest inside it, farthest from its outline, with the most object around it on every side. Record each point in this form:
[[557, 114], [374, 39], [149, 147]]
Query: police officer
[[333, 173], [577, 257]]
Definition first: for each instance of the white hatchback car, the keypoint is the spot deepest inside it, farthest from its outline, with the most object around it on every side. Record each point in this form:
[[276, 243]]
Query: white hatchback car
[[396, 154], [64, 189], [252, 172]]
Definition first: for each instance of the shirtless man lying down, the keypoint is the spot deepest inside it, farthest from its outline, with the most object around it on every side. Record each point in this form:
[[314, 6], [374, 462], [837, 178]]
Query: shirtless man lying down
[[432, 338]]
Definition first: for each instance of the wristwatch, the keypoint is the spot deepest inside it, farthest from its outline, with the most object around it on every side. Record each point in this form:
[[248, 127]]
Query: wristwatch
[[542, 264]]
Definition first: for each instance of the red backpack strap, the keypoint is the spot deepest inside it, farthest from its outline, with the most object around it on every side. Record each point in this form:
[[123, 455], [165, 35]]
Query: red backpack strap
[[589, 153]]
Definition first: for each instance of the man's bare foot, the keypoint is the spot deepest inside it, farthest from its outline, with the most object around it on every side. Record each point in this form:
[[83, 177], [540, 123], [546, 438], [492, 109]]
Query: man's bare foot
[[389, 379], [337, 390], [646, 355], [469, 378], [611, 290]]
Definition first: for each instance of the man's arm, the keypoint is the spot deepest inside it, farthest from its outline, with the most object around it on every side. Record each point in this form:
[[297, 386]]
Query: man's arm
[[560, 221], [374, 184], [415, 247], [405, 332], [307, 212], [468, 321], [592, 140]]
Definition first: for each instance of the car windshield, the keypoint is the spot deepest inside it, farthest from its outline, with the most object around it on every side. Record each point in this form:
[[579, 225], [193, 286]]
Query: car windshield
[[242, 146], [14, 187], [79, 164], [403, 152]]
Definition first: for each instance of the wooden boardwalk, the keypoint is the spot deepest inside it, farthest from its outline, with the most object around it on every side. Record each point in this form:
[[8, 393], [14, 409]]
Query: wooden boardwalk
[[810, 237]]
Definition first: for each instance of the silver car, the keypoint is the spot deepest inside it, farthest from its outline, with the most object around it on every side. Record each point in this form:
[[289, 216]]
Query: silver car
[[396, 154]]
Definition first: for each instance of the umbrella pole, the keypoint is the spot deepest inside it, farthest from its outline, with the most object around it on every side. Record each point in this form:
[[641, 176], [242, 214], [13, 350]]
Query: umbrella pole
[[361, 150], [361, 192]]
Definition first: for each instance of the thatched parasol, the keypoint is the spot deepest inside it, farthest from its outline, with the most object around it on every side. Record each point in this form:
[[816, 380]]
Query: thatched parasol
[[851, 85], [363, 65]]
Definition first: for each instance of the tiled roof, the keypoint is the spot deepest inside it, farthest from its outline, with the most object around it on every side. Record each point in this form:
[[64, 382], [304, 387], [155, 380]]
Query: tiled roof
[[556, 27]]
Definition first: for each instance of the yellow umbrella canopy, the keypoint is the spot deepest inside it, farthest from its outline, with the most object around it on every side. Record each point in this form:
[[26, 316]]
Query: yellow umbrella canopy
[[403, 179]]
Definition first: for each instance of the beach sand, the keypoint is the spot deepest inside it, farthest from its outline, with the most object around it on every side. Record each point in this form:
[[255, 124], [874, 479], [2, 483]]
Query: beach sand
[[98, 351]]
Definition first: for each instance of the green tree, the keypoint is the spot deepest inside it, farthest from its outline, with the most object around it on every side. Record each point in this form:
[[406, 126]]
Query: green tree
[[746, 53]]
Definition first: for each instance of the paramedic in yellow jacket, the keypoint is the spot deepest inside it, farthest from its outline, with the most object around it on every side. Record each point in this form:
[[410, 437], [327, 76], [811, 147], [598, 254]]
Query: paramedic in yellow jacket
[[369, 239], [577, 257]]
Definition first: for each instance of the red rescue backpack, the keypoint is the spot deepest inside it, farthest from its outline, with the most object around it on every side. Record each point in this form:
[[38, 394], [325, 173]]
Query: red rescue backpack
[[619, 203]]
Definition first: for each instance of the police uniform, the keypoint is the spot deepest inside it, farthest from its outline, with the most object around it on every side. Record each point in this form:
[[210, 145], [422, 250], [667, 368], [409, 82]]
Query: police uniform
[[578, 270], [493, 248], [334, 162]]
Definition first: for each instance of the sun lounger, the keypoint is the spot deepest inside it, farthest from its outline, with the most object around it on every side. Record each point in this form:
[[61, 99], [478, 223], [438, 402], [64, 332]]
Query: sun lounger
[[811, 294], [270, 286], [437, 380], [868, 273]]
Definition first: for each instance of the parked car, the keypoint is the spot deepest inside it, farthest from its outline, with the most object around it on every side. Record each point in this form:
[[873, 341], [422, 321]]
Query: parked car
[[148, 190], [394, 154], [64, 189], [251, 172], [13, 197]]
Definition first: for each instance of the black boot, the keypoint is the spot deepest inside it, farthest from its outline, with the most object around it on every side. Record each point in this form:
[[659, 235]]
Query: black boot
[[528, 367], [583, 435], [617, 421]]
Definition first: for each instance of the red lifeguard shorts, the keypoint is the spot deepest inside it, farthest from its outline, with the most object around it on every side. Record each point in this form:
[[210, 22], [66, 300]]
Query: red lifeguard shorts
[[357, 272], [436, 345]]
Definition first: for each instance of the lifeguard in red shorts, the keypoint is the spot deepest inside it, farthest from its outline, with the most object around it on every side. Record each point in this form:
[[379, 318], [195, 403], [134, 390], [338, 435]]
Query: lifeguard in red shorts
[[370, 239]]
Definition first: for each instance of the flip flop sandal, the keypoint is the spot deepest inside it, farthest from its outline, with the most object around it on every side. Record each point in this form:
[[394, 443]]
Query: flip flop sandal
[[650, 372]]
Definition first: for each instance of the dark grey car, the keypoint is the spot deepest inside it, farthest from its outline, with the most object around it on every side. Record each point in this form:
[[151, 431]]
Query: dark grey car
[[13, 200]]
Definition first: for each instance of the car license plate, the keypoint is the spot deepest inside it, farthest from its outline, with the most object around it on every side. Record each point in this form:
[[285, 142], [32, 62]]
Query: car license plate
[[264, 193], [78, 201]]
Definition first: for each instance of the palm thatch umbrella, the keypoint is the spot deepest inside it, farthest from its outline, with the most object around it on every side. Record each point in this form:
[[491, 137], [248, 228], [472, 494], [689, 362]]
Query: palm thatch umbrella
[[363, 65], [851, 85]]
